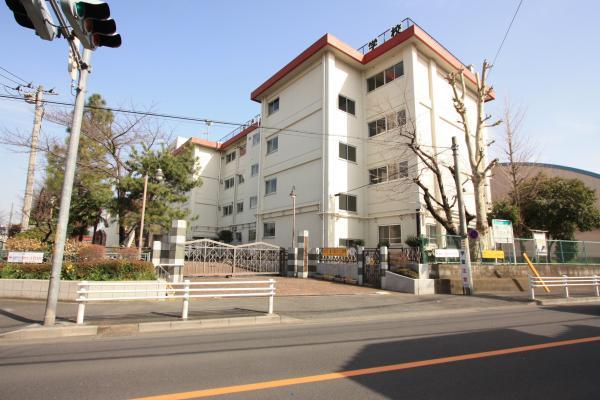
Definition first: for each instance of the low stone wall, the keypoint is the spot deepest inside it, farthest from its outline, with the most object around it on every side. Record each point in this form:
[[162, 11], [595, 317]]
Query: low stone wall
[[348, 271], [37, 289], [399, 283]]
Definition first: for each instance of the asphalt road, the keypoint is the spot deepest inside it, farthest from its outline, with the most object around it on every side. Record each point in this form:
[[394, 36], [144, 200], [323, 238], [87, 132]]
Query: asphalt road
[[172, 363]]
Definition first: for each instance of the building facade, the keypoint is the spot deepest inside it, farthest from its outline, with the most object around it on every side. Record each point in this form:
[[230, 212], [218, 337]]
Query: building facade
[[329, 131]]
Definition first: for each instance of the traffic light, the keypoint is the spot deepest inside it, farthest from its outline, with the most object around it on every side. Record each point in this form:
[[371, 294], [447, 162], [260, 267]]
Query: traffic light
[[33, 14], [91, 23]]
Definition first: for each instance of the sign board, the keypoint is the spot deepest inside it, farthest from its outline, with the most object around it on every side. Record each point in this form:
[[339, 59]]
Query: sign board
[[541, 246], [502, 231], [335, 252], [26, 257], [446, 253], [492, 254]]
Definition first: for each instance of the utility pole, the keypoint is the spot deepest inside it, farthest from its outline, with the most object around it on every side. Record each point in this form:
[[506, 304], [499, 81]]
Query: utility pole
[[465, 256], [293, 196], [67, 190], [10, 219], [35, 136]]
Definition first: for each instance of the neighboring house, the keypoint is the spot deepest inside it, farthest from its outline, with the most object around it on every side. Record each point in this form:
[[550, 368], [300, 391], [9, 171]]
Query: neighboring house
[[328, 128], [501, 184]]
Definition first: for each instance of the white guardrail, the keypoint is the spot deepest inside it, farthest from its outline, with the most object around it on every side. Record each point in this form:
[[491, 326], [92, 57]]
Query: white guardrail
[[186, 290], [563, 282]]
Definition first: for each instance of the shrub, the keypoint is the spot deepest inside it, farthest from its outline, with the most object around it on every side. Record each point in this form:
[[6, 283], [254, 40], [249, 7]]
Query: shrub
[[72, 248], [91, 252], [102, 270], [225, 236], [128, 253], [25, 244]]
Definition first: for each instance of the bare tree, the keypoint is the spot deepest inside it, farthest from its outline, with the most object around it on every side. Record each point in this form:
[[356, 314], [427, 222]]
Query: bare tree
[[475, 136]]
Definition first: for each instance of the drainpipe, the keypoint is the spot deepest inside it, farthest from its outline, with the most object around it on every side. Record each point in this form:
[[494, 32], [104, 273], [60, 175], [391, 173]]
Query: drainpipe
[[218, 190]]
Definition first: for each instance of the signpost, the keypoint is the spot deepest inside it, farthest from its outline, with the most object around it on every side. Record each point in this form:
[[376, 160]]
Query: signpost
[[26, 257], [502, 232], [541, 244]]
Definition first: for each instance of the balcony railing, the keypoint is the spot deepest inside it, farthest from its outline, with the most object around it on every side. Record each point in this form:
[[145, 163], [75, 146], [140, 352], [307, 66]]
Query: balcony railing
[[253, 121]]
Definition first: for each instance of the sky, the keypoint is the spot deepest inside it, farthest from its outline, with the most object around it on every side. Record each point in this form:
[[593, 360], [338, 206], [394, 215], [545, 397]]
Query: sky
[[202, 59]]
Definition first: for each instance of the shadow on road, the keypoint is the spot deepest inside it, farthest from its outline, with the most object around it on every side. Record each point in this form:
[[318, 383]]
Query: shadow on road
[[518, 375]]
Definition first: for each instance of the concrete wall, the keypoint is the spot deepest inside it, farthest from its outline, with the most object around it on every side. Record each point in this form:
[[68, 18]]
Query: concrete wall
[[347, 271], [399, 283], [37, 289]]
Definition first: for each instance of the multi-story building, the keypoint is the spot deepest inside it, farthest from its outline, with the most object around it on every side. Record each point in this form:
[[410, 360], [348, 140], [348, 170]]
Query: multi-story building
[[329, 130]]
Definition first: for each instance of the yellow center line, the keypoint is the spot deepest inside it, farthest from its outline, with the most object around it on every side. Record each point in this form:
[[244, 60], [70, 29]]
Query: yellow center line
[[364, 371]]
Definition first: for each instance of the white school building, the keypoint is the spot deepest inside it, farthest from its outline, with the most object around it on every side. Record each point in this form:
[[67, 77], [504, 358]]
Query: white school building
[[328, 130]]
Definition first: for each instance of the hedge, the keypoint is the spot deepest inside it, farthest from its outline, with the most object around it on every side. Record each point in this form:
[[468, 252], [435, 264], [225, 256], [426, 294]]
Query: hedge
[[101, 270]]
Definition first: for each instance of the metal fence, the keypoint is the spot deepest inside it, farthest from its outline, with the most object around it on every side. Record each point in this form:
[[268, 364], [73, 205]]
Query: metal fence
[[111, 254], [558, 252]]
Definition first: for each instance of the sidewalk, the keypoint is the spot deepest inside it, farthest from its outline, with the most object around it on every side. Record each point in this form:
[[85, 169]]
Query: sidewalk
[[18, 314]]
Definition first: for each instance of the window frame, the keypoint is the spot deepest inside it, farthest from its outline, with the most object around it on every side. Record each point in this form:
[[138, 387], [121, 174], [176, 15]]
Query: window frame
[[255, 139], [273, 140], [268, 184], [242, 150], [273, 106], [385, 76], [255, 198], [347, 147], [344, 198], [229, 157], [251, 235], [267, 230], [254, 173], [226, 185], [397, 239], [346, 104], [228, 210], [239, 209]]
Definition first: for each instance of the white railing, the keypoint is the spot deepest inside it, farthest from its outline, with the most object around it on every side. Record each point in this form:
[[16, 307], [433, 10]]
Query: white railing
[[185, 290], [563, 282]]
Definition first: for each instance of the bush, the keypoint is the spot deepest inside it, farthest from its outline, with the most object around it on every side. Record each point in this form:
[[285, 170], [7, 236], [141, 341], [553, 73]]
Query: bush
[[128, 253], [25, 244], [102, 270], [91, 252], [225, 236]]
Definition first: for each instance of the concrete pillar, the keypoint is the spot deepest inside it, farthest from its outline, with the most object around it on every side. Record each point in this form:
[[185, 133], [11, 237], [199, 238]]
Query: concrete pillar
[[291, 265], [312, 261], [383, 263], [156, 252], [302, 259], [177, 249], [361, 264]]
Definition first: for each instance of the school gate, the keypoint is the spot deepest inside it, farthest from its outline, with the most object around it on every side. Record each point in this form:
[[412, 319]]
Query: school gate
[[205, 257]]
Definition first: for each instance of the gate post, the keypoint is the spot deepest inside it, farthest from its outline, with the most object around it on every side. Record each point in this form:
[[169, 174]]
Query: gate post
[[383, 264], [291, 261], [361, 264], [177, 248], [302, 260], [312, 261], [156, 248], [233, 266]]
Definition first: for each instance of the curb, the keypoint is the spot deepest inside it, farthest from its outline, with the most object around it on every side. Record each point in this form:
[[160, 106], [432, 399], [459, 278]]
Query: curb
[[57, 332], [569, 300]]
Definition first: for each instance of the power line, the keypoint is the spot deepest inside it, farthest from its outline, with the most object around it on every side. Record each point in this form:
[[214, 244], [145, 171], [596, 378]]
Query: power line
[[507, 31], [16, 76], [287, 131], [10, 79]]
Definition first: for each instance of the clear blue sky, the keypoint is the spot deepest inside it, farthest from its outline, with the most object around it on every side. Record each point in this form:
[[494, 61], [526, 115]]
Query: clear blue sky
[[203, 59]]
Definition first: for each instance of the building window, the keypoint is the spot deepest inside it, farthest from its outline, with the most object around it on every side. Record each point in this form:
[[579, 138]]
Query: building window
[[230, 157], [238, 237], [431, 232], [240, 206], [381, 78], [229, 183], [391, 234], [251, 235], [347, 202], [242, 150], [227, 210], [378, 175], [401, 117], [272, 145], [253, 201], [387, 123], [269, 229], [254, 170], [345, 104], [270, 186], [403, 169], [255, 139], [240, 179], [273, 106], [347, 152]]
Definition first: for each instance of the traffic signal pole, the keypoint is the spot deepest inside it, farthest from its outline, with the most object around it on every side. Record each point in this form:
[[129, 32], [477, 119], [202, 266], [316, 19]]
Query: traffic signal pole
[[67, 190], [465, 255]]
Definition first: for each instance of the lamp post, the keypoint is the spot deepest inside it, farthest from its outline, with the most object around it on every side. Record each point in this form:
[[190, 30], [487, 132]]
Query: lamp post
[[293, 196], [159, 177]]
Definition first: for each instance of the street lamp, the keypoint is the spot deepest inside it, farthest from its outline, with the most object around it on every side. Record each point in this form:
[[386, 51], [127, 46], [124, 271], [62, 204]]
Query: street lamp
[[159, 177], [293, 196]]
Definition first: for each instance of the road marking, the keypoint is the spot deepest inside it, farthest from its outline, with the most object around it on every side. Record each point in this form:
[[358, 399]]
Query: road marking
[[364, 371]]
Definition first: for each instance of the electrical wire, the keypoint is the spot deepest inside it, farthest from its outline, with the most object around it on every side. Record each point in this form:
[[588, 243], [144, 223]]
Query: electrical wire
[[10, 79], [286, 131], [507, 31], [16, 76]]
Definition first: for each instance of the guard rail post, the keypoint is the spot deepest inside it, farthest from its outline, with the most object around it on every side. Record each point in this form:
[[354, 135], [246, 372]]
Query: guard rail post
[[272, 294], [566, 281], [532, 287], [83, 288], [186, 299], [596, 284]]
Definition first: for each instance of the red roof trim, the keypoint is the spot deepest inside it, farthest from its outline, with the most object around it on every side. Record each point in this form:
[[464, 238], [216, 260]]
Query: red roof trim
[[240, 135], [330, 40]]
